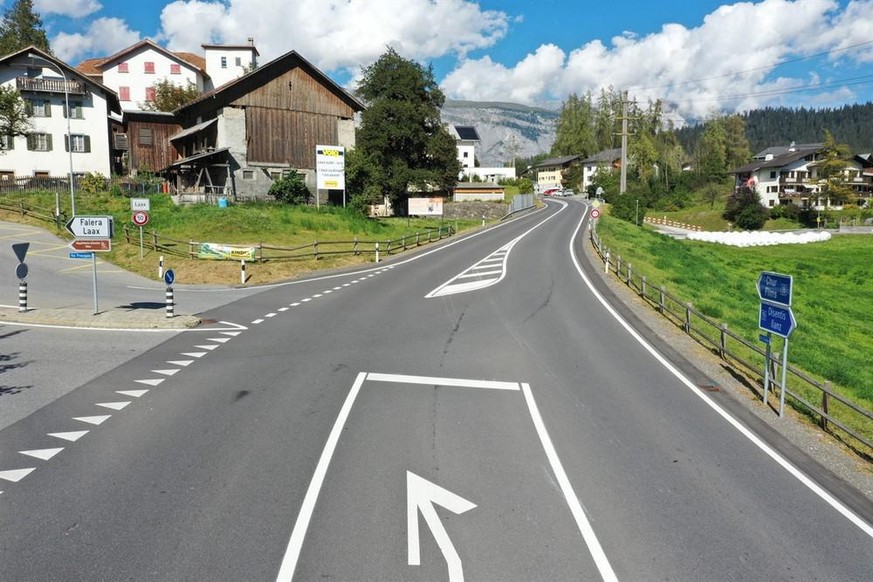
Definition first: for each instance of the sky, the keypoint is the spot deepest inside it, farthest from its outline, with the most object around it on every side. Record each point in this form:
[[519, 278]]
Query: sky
[[700, 57]]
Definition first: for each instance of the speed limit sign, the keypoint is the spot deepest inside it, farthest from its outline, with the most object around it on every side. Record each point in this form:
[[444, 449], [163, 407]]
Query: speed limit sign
[[595, 213], [140, 218]]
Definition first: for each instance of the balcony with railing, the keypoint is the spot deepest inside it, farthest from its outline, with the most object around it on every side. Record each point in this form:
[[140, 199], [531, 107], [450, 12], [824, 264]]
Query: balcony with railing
[[43, 85]]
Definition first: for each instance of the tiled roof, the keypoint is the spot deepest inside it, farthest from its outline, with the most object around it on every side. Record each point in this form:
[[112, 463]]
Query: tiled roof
[[91, 67], [557, 161], [604, 157]]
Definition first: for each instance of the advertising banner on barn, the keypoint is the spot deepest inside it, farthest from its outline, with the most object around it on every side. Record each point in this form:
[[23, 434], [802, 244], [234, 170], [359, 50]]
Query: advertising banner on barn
[[425, 206]]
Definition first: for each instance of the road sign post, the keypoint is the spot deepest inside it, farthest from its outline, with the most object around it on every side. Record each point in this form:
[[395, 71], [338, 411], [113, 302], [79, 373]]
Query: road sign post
[[776, 317], [140, 218]]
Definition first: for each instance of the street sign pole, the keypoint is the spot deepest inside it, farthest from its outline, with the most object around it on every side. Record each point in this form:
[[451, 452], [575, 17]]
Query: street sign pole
[[140, 242], [784, 371], [94, 279], [767, 359]]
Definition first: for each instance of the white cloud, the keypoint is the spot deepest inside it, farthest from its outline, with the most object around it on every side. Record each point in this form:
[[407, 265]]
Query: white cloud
[[104, 36], [732, 53], [337, 34], [71, 8]]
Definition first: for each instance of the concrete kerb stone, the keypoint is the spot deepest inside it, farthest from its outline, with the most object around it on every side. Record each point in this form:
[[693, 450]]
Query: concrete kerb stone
[[110, 319]]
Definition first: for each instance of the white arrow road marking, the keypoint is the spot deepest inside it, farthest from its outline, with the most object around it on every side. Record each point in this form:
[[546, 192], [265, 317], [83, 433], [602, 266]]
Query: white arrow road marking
[[180, 362], [16, 475], [72, 436], [44, 454], [93, 419], [151, 381], [166, 372], [421, 495], [132, 393], [113, 405]]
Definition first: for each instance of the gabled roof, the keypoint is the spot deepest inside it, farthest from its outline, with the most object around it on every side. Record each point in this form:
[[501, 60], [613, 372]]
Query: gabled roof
[[563, 160], [777, 162], [603, 157], [21, 57], [232, 90], [780, 150], [189, 59]]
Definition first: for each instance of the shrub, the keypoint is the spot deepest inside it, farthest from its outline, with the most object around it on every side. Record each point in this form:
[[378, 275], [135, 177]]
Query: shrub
[[290, 189], [744, 209], [93, 183]]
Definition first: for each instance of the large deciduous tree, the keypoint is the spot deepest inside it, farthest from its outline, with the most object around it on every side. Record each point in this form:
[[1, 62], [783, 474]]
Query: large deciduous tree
[[22, 27], [170, 96], [14, 119], [402, 141]]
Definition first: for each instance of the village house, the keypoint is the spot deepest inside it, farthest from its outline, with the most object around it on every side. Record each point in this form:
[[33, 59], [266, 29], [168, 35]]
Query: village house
[[69, 118]]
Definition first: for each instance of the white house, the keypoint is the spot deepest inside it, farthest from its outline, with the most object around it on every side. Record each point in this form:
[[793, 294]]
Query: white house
[[466, 138], [57, 141], [604, 161], [133, 72], [225, 63], [783, 175]]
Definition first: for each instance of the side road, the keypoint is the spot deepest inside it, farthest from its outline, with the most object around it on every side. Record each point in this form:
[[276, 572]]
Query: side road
[[59, 343]]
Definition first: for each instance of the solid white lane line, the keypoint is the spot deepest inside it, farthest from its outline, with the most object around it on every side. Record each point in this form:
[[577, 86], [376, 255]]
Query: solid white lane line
[[447, 382], [292, 553], [597, 553], [757, 441]]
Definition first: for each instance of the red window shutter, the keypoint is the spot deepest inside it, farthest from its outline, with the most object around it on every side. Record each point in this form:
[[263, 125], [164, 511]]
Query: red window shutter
[[122, 67], [150, 94], [124, 93], [175, 69], [150, 67]]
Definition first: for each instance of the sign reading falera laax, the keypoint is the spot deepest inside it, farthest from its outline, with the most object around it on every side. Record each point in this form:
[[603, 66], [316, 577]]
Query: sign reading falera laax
[[330, 167]]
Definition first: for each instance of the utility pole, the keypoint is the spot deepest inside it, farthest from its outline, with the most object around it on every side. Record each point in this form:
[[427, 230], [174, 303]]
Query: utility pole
[[622, 188]]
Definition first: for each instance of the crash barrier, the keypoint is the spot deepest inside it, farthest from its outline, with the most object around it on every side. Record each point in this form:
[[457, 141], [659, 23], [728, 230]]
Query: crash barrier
[[834, 412]]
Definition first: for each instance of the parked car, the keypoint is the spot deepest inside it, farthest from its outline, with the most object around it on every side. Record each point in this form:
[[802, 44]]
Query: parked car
[[568, 192], [552, 192]]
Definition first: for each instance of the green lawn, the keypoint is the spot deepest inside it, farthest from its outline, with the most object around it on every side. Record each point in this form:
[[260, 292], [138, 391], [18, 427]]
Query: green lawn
[[832, 293]]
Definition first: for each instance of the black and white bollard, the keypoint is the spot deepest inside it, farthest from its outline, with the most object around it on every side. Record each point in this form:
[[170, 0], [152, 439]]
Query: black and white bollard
[[22, 296], [171, 303], [377, 252], [161, 267], [242, 271]]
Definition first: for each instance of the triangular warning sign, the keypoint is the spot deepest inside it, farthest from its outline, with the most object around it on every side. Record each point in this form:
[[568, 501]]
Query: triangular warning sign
[[20, 250]]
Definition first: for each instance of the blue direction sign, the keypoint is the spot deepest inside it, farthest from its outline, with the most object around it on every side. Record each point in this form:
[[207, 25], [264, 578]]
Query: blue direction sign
[[775, 288], [777, 319], [169, 276], [81, 255]]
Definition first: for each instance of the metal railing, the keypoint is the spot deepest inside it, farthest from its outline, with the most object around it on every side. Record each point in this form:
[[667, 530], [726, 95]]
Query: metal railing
[[832, 408], [315, 250]]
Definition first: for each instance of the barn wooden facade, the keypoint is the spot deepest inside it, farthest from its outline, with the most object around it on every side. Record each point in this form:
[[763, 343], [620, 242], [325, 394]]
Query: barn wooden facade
[[236, 140], [141, 143]]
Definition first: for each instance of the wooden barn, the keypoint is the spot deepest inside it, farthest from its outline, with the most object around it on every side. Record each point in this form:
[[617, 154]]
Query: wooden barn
[[234, 141]]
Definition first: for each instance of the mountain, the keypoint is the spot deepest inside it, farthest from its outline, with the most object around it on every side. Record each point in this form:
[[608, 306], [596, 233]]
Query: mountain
[[507, 130]]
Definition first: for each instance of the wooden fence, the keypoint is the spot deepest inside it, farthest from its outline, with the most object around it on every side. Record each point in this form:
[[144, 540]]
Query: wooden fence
[[314, 250], [816, 399]]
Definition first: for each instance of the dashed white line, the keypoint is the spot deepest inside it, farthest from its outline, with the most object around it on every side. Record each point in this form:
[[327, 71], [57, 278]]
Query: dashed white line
[[166, 372], [133, 393], [71, 436], [113, 405], [150, 381], [42, 454], [93, 419]]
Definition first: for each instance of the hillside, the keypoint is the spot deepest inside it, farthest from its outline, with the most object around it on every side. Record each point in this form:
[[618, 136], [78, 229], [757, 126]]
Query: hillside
[[499, 124]]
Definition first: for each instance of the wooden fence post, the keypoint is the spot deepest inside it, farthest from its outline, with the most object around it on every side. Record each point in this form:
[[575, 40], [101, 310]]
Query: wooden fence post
[[688, 318], [630, 269], [722, 346], [661, 300], [643, 286], [825, 399]]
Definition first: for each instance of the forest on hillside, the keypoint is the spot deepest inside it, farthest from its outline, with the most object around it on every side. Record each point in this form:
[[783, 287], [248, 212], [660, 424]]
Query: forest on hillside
[[779, 126]]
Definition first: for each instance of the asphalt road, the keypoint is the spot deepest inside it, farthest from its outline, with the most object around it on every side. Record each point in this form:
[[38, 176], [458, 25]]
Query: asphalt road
[[473, 411]]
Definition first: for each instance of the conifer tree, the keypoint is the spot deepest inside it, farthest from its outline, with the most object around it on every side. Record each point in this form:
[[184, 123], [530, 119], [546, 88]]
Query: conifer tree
[[22, 27]]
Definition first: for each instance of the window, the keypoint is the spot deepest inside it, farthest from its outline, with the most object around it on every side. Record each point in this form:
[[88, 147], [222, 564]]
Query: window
[[175, 69], [145, 136], [39, 108], [80, 143], [238, 62], [7, 142], [7, 175], [149, 67], [122, 68], [39, 142], [124, 93], [772, 175], [248, 174], [223, 62], [150, 94], [75, 110]]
